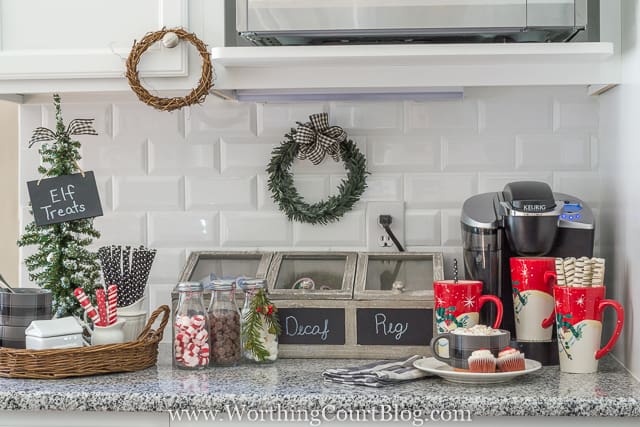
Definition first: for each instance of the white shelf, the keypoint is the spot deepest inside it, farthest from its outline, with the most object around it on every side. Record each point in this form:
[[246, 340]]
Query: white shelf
[[414, 66]]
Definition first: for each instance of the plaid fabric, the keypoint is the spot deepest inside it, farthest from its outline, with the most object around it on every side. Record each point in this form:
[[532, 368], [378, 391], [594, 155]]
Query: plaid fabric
[[377, 374], [316, 139], [81, 127], [42, 134], [75, 127]]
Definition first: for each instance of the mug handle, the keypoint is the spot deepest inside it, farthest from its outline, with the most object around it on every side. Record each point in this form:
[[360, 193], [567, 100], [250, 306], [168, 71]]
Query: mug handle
[[619, 322], [434, 343], [494, 299], [85, 325], [546, 323]]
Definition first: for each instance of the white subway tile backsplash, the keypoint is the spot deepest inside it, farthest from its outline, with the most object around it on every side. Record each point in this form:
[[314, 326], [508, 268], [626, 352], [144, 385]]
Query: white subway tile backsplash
[[167, 266], [438, 189], [254, 229], [456, 114], [513, 115], [221, 193], [564, 152], [489, 182], [369, 117], [349, 231], [451, 232], [584, 185], [105, 190], [182, 229], [101, 113], [278, 119], [196, 179], [218, 117], [466, 152], [265, 202], [312, 188], [580, 115], [245, 155], [148, 193], [422, 227], [399, 154], [122, 229], [129, 158], [136, 120], [183, 159], [380, 188]]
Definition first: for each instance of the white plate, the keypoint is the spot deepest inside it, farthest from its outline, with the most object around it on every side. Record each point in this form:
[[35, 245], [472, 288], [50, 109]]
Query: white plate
[[434, 366]]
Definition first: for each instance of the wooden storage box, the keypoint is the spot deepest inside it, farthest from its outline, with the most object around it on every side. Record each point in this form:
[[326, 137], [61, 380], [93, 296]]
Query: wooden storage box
[[343, 329], [379, 321], [330, 275], [202, 264]]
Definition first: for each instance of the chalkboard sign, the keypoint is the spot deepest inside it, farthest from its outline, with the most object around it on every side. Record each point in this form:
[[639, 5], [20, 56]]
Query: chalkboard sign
[[393, 326], [64, 198], [324, 326]]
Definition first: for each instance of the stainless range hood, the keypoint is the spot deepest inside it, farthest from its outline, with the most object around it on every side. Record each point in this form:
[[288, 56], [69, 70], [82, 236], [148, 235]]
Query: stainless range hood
[[304, 22]]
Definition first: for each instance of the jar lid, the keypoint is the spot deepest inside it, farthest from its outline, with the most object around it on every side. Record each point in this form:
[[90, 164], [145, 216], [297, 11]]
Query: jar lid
[[190, 287], [251, 284], [223, 284]]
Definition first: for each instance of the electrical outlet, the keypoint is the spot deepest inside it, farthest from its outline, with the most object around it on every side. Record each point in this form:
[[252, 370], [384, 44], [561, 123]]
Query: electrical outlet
[[377, 238]]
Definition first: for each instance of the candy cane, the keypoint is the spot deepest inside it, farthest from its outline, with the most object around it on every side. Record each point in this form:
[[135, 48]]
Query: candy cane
[[102, 307], [112, 303], [86, 305]]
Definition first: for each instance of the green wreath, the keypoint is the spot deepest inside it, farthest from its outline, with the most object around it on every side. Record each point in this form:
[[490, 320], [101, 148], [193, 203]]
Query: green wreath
[[312, 141]]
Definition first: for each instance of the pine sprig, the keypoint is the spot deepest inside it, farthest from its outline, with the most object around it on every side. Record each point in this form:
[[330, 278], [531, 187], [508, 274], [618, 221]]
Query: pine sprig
[[62, 261], [284, 192], [261, 311]]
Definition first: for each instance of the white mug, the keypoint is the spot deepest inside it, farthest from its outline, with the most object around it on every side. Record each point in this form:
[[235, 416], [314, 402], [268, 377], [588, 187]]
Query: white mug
[[112, 334]]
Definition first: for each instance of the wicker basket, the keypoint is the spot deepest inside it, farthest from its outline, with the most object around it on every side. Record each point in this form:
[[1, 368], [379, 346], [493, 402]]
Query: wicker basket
[[92, 360]]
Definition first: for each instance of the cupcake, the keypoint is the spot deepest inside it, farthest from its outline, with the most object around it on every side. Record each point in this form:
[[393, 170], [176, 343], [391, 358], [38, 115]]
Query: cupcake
[[510, 359], [482, 361]]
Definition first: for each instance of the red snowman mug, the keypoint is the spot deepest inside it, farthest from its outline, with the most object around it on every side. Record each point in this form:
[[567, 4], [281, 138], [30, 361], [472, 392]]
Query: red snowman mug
[[458, 304], [578, 319], [532, 288]]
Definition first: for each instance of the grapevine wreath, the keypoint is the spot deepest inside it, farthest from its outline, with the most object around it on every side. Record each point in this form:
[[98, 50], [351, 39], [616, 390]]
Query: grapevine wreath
[[313, 141], [196, 96]]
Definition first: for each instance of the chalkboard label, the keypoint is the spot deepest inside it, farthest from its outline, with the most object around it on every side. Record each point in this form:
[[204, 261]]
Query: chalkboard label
[[64, 198], [323, 326], [393, 326]]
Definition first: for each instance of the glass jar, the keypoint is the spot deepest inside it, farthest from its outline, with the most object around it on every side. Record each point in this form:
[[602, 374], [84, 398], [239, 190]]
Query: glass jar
[[224, 323], [267, 338], [191, 345]]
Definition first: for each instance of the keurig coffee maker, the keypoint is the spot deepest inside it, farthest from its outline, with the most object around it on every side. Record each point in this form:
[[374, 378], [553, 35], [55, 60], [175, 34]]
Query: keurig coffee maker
[[525, 219]]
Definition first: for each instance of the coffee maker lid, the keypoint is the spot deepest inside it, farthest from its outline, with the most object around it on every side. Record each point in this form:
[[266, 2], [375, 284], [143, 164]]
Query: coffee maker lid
[[529, 197]]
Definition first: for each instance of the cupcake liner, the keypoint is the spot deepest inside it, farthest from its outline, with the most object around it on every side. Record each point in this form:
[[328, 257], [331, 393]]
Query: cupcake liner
[[483, 364], [511, 362]]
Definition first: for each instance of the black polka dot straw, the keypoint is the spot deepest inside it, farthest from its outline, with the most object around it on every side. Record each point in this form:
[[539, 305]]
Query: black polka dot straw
[[128, 268]]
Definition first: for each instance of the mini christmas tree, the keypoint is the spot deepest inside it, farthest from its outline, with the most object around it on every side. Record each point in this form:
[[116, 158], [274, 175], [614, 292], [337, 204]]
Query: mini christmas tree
[[62, 261]]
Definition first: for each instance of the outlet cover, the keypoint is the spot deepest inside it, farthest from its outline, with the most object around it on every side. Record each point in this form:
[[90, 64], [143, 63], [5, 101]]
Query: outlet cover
[[377, 239]]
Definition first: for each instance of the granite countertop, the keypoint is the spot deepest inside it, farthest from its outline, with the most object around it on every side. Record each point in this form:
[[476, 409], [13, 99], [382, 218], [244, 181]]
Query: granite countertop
[[295, 384]]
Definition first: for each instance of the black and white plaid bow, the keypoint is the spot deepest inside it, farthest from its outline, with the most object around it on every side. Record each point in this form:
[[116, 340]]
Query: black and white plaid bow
[[75, 127], [317, 139]]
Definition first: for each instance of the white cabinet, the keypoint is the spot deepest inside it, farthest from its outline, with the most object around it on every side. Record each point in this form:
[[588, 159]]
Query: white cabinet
[[44, 39], [82, 45]]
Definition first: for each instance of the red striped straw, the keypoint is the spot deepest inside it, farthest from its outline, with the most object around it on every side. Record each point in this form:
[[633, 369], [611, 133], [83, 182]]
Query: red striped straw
[[102, 307], [112, 303], [86, 305]]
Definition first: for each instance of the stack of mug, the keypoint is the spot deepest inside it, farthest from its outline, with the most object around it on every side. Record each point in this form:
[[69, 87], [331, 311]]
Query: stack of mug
[[539, 302], [18, 308]]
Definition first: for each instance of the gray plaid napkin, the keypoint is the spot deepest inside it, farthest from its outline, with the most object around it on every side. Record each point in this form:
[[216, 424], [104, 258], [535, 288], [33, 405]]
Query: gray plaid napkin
[[377, 374]]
